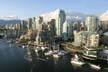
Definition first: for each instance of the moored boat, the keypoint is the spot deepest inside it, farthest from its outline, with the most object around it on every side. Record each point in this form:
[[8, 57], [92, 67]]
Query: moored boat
[[97, 56], [89, 55]]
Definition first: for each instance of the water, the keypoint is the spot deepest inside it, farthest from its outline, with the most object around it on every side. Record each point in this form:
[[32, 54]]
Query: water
[[12, 59]]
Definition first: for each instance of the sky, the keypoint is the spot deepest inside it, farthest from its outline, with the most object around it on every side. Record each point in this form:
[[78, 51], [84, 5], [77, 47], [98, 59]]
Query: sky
[[31, 8]]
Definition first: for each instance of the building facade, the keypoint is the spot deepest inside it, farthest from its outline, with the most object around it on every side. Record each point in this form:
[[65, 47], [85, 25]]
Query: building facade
[[59, 16], [91, 23], [29, 23], [67, 30], [86, 38], [34, 23]]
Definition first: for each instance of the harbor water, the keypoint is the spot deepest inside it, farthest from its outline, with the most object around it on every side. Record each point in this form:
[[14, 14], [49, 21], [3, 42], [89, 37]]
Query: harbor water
[[12, 59]]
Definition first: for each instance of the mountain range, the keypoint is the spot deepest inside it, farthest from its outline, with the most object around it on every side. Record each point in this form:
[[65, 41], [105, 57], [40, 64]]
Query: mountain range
[[70, 16], [75, 16], [8, 22]]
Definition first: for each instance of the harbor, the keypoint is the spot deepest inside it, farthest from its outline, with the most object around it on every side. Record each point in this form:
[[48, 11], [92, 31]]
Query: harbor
[[43, 59]]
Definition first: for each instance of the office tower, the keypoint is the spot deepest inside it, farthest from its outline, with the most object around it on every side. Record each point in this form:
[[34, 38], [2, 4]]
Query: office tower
[[51, 27], [67, 30], [39, 23], [82, 26], [23, 24], [29, 22], [104, 21], [34, 23], [91, 23], [59, 22], [76, 26], [39, 28], [59, 16], [6, 26]]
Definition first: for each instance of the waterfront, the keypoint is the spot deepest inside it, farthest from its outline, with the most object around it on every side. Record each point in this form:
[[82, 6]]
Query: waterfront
[[12, 59]]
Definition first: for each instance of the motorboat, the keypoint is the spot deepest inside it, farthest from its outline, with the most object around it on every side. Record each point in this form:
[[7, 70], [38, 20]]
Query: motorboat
[[80, 63], [10, 41], [89, 54], [77, 62], [97, 56]]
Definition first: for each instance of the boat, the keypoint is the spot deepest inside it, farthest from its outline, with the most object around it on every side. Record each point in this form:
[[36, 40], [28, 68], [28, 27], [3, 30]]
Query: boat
[[10, 41], [102, 57], [96, 56], [78, 62], [24, 46], [89, 54]]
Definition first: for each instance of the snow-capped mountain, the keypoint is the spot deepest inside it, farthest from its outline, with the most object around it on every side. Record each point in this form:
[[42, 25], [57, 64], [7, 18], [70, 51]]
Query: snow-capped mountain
[[9, 20], [70, 15], [8, 17], [75, 16], [104, 16]]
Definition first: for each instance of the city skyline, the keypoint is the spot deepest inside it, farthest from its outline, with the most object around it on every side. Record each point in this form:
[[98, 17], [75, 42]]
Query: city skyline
[[30, 8]]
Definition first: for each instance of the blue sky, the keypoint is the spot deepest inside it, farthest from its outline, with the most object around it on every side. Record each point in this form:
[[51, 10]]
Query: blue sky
[[30, 8]]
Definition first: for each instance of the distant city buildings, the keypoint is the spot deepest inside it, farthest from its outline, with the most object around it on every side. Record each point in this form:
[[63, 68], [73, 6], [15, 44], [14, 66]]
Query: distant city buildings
[[67, 30], [49, 25], [91, 23], [23, 24], [29, 23], [87, 35], [103, 21], [34, 23], [39, 28], [45, 31], [59, 16], [46, 27]]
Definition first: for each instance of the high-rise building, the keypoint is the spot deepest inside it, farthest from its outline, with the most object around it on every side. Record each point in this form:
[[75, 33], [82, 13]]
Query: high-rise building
[[59, 16], [76, 26], [91, 23], [51, 28], [59, 22], [39, 28], [29, 21], [23, 24], [104, 21], [39, 23], [34, 23], [67, 30], [17, 26]]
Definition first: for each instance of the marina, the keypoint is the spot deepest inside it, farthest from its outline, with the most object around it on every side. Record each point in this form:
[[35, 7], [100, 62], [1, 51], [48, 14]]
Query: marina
[[42, 59]]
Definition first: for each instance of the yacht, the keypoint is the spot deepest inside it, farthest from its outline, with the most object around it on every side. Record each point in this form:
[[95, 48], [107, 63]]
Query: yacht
[[97, 56], [89, 54]]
